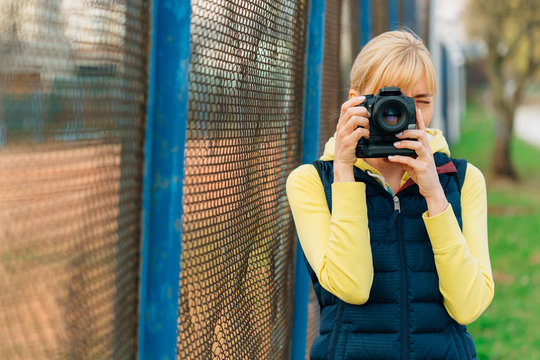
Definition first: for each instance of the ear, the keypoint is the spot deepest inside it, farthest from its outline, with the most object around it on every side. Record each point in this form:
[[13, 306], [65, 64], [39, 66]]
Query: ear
[[353, 93]]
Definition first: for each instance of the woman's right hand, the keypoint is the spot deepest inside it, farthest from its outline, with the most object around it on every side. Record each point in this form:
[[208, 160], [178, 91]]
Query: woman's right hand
[[353, 124]]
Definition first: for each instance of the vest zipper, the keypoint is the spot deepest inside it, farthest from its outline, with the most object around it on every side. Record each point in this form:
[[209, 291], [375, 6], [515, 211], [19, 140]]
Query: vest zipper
[[404, 305], [397, 205]]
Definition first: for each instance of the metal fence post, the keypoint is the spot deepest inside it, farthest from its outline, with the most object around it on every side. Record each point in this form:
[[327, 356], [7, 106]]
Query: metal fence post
[[410, 17], [163, 179], [366, 22], [312, 100], [393, 14]]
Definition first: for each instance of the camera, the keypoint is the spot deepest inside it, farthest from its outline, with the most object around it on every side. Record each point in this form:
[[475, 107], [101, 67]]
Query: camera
[[391, 112]]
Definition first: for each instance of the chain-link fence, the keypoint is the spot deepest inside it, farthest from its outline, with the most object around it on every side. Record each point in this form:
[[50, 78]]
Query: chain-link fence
[[245, 115], [72, 109], [73, 89]]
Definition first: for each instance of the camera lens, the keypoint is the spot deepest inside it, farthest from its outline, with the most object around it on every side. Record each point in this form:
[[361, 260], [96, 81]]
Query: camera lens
[[392, 116]]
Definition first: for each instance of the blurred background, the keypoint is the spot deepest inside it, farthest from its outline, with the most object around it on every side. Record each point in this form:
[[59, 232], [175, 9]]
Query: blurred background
[[144, 148]]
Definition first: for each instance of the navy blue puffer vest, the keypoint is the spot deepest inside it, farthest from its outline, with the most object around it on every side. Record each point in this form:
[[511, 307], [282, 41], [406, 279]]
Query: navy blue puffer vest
[[404, 317]]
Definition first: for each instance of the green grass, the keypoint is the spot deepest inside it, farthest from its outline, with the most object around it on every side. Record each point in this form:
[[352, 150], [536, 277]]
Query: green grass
[[509, 329]]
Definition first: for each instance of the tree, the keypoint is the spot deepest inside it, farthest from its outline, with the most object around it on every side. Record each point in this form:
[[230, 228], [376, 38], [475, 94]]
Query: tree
[[511, 32]]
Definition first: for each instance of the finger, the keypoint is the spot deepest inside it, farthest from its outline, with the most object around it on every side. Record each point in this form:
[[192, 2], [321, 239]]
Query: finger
[[351, 140], [356, 111], [348, 109], [356, 121], [399, 159], [409, 144], [416, 146], [360, 133], [411, 134], [354, 101], [420, 120], [420, 135]]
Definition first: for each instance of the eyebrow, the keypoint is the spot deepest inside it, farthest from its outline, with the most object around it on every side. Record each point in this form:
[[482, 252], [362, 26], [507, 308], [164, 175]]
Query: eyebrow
[[422, 95]]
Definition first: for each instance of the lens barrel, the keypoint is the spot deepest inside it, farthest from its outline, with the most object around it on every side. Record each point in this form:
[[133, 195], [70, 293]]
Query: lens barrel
[[391, 115]]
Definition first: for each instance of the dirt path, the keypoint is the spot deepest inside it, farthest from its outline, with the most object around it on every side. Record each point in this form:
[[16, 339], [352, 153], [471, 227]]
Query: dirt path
[[527, 124]]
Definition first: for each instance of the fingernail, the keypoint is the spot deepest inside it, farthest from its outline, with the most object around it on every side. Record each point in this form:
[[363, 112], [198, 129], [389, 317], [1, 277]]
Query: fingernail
[[397, 143], [390, 157], [362, 98], [399, 134]]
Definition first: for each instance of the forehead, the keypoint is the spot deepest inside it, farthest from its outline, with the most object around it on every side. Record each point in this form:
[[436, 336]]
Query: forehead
[[421, 88], [411, 84]]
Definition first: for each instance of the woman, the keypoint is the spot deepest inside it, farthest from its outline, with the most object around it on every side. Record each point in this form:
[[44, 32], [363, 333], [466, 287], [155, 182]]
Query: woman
[[396, 247]]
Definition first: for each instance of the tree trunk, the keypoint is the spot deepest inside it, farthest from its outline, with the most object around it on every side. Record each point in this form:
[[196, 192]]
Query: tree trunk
[[504, 109], [502, 160]]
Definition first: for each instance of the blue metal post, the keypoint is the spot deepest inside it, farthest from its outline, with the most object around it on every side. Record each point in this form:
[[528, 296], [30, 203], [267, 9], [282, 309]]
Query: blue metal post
[[163, 179], [366, 21], [393, 14], [409, 15], [312, 114]]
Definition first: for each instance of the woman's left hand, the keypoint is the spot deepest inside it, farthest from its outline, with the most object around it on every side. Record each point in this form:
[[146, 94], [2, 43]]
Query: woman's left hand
[[421, 169]]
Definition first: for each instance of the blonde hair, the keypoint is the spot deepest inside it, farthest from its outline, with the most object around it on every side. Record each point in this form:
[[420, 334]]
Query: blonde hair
[[394, 58]]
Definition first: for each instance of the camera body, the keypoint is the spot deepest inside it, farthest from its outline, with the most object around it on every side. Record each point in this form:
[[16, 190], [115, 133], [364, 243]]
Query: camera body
[[391, 112]]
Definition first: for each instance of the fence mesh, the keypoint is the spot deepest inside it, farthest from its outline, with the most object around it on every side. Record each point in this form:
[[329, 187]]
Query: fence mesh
[[72, 110], [244, 128], [331, 76], [341, 44]]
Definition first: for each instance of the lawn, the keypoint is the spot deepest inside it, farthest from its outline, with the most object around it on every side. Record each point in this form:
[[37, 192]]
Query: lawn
[[509, 328]]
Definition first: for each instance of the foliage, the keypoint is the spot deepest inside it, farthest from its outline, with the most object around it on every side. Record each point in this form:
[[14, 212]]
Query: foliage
[[508, 329], [511, 33]]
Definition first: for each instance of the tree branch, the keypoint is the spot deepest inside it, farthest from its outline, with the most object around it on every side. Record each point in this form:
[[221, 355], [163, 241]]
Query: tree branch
[[517, 40]]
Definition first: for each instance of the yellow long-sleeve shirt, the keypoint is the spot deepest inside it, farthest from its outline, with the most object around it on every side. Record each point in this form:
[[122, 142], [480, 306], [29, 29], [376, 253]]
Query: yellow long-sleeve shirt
[[337, 245]]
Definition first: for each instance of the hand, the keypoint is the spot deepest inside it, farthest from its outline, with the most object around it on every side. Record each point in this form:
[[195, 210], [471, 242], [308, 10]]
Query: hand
[[353, 124], [421, 169]]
